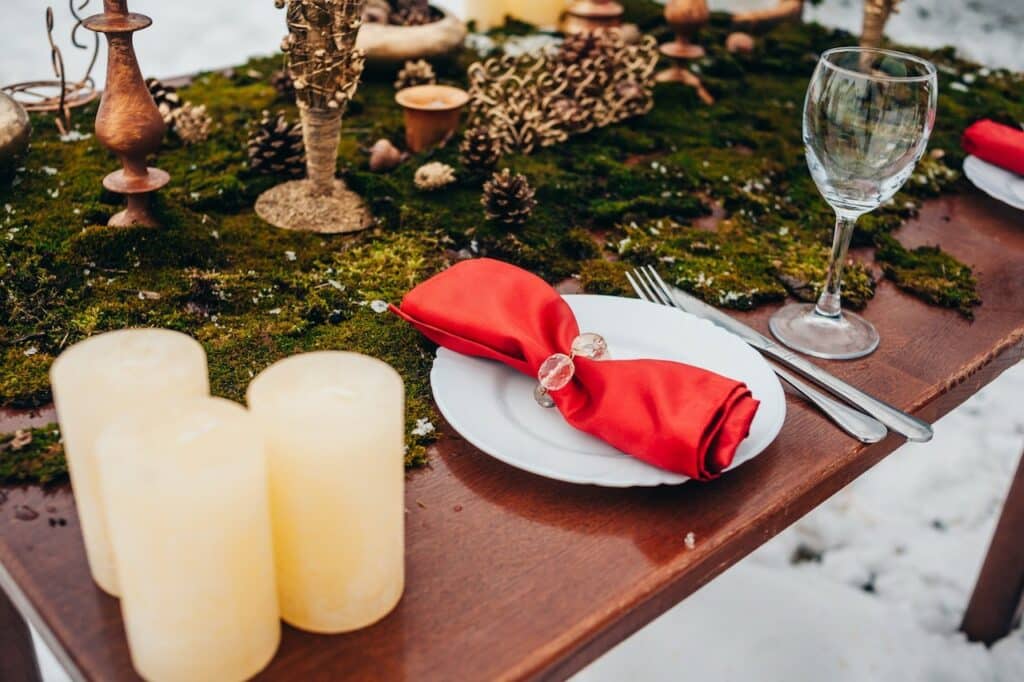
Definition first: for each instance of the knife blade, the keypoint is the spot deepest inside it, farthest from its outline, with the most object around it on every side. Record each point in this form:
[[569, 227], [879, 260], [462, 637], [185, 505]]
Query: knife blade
[[896, 419]]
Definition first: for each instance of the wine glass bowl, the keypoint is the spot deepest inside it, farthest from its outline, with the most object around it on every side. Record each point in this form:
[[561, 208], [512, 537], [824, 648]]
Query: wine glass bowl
[[867, 118]]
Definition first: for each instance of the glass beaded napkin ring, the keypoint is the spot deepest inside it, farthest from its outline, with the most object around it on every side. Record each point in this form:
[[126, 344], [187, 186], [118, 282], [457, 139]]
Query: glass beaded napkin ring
[[557, 371]]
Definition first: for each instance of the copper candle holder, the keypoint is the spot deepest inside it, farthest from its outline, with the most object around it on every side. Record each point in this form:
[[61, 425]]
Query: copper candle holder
[[593, 15], [685, 17], [432, 114], [128, 122]]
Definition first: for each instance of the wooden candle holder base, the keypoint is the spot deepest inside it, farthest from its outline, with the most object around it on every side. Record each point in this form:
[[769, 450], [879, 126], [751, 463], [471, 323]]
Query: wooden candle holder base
[[678, 73], [137, 189]]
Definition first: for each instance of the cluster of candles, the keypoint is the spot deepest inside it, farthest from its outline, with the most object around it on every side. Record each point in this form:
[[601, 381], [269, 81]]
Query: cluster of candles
[[212, 522], [490, 13]]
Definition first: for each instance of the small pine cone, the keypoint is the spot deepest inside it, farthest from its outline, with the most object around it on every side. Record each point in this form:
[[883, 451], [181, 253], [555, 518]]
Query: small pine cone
[[377, 12], [282, 82], [166, 98], [508, 198], [415, 73], [411, 12], [480, 150], [191, 123], [276, 148], [433, 176]]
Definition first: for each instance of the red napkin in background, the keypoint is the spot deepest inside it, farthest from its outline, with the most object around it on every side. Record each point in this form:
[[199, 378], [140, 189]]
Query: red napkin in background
[[996, 143], [674, 416]]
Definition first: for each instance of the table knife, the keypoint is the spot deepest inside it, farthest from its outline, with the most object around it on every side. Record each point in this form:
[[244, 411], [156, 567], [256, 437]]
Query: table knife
[[899, 421]]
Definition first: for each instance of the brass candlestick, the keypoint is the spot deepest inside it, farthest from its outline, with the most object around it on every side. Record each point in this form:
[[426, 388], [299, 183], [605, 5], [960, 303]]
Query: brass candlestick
[[128, 122]]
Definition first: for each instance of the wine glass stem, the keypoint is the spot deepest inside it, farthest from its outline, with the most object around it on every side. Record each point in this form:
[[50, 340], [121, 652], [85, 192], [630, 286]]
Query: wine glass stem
[[830, 302]]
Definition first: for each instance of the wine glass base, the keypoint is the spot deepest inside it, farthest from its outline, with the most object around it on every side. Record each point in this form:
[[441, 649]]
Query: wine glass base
[[799, 327]]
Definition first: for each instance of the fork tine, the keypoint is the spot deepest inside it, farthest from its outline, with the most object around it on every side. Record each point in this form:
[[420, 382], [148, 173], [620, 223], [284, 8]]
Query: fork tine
[[662, 297], [661, 286], [649, 293], [636, 287]]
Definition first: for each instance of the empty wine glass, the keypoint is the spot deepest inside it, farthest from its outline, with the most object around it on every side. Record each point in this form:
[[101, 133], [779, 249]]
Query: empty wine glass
[[867, 118]]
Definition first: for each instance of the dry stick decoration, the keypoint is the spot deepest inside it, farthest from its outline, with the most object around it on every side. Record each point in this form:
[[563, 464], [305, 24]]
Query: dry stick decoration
[[58, 95], [325, 67], [876, 15]]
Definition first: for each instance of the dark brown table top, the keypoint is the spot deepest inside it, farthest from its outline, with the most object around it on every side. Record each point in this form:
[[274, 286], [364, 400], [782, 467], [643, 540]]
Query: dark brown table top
[[515, 576]]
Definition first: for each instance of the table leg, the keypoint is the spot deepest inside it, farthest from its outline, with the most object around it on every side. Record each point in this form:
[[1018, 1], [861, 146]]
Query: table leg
[[995, 604], [17, 654]]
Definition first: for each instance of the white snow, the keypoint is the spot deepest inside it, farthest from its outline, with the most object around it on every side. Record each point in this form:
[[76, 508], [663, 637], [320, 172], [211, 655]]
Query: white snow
[[913, 530]]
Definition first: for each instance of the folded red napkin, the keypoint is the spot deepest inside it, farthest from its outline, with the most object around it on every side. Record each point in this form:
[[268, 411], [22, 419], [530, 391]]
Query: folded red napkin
[[674, 416], [996, 143]]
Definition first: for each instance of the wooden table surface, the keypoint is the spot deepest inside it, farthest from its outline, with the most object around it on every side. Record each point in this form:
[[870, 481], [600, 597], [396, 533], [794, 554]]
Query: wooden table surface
[[515, 576]]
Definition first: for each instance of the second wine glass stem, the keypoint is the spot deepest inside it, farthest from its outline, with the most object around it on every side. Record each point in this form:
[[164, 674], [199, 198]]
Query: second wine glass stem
[[830, 301]]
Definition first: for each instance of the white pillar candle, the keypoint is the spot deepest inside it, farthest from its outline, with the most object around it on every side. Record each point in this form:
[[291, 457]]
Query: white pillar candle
[[185, 493], [98, 379], [334, 427], [486, 13], [540, 13]]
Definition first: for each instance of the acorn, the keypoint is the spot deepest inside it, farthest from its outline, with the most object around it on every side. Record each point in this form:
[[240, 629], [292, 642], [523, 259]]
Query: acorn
[[739, 42], [385, 156]]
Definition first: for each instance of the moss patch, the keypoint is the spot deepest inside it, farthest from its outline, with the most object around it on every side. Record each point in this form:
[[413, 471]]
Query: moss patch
[[639, 192], [39, 461]]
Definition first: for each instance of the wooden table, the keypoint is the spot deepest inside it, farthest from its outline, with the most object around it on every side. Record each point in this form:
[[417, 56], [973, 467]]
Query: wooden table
[[515, 576]]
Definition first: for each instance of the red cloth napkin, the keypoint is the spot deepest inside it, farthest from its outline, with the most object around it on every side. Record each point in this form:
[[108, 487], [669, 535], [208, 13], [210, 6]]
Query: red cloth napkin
[[674, 416], [996, 143]]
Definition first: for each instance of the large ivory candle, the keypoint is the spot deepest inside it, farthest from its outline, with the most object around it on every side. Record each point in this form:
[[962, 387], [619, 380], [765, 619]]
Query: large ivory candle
[[185, 492], [486, 13], [540, 13], [334, 424], [98, 379]]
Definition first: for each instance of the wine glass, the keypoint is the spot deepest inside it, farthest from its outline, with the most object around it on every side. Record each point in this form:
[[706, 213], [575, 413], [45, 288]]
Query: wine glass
[[867, 118]]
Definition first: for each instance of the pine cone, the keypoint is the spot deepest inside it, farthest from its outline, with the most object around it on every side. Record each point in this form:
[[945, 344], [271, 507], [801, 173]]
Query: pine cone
[[276, 147], [433, 176], [282, 82], [508, 198], [411, 12], [166, 97], [191, 123], [377, 12], [480, 150], [415, 73]]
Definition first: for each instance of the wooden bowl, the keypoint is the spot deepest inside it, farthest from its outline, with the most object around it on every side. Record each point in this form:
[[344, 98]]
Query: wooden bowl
[[387, 44]]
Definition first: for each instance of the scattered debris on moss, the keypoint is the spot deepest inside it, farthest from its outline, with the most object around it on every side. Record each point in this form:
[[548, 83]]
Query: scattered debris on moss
[[32, 456], [718, 197]]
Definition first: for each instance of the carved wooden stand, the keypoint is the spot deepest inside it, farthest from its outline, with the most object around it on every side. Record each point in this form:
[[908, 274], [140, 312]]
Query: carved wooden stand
[[128, 122]]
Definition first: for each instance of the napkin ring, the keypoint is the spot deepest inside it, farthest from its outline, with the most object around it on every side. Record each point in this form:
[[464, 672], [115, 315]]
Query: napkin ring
[[557, 371]]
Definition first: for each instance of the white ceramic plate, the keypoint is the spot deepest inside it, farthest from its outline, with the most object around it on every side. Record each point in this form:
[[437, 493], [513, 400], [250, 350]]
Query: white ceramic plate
[[492, 406], [996, 182]]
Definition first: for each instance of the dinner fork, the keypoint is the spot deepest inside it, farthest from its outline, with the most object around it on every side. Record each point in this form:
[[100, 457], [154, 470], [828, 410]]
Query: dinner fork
[[864, 428]]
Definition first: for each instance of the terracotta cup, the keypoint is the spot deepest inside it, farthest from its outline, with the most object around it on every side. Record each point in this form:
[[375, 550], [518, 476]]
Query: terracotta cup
[[432, 114]]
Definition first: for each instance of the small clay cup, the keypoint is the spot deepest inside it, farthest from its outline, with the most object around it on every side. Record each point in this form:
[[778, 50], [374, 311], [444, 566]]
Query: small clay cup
[[432, 114]]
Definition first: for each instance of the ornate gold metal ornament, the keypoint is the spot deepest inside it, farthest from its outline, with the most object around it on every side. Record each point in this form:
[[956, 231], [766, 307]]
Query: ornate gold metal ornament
[[540, 99]]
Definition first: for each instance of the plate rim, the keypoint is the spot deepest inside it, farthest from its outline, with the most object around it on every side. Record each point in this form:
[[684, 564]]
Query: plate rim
[[654, 476], [970, 162]]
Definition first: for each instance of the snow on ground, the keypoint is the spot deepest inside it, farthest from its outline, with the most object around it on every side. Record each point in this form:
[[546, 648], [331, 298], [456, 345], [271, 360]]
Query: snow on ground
[[897, 553], [893, 557]]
